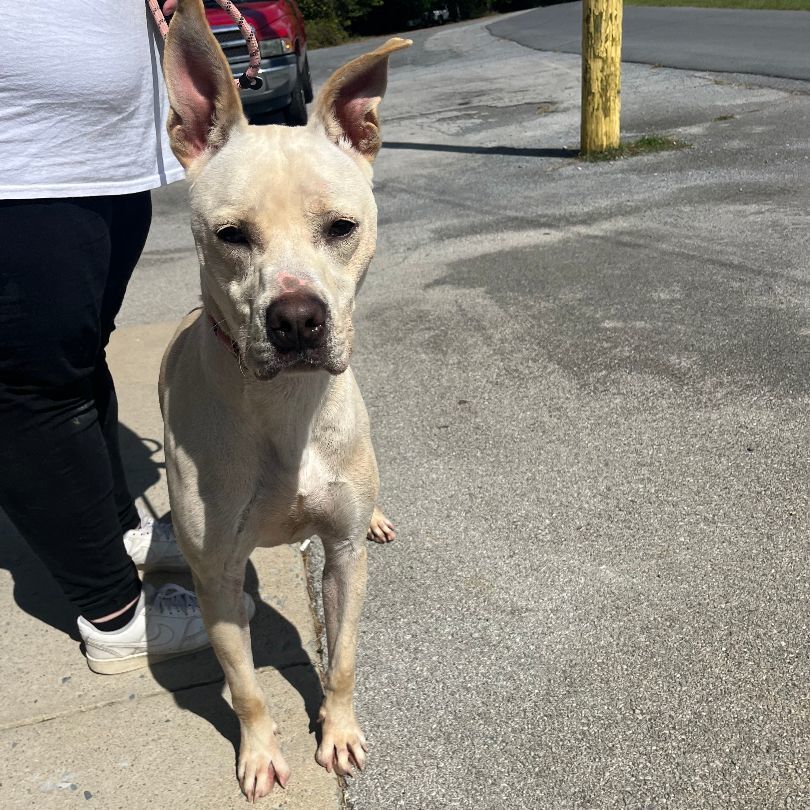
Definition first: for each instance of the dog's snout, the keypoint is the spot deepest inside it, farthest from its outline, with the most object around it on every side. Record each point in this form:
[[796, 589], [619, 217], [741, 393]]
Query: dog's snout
[[296, 321]]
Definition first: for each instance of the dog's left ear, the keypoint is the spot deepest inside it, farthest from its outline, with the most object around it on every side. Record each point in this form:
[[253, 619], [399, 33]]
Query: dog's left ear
[[346, 107], [205, 104]]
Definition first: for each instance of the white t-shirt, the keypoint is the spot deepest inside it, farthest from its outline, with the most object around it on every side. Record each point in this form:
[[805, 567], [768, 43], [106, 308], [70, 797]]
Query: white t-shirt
[[82, 102]]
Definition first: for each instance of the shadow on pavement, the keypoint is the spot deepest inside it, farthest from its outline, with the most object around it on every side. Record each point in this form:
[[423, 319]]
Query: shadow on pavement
[[276, 642], [509, 151], [35, 591], [142, 468]]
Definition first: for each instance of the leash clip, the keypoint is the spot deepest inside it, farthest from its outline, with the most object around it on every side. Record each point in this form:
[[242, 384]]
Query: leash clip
[[246, 83]]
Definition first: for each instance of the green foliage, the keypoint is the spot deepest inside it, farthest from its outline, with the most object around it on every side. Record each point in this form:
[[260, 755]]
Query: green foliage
[[330, 22], [392, 15], [349, 10], [323, 33], [322, 23], [504, 6], [470, 9], [316, 9]]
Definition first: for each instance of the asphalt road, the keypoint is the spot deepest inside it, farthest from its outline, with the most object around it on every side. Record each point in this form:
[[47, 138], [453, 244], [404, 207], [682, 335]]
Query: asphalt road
[[766, 43], [588, 385]]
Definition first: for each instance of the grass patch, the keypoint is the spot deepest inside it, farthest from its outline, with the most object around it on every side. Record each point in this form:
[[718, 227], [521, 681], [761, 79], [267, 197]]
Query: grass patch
[[643, 146], [776, 5]]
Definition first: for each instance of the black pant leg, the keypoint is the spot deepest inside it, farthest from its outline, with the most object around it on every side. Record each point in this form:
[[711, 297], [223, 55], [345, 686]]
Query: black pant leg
[[129, 226], [56, 477]]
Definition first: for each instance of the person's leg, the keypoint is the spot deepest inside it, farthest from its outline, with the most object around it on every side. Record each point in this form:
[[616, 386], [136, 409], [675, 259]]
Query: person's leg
[[56, 477], [131, 216], [107, 407]]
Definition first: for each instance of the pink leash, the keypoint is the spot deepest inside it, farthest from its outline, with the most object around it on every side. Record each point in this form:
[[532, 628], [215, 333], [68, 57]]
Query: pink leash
[[250, 78]]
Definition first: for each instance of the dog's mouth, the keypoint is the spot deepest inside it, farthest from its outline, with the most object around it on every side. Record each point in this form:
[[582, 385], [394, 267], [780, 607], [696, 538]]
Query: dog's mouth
[[265, 361], [268, 364]]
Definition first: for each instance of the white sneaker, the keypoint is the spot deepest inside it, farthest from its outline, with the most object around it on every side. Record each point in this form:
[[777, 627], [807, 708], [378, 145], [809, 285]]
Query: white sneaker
[[167, 623], [153, 546]]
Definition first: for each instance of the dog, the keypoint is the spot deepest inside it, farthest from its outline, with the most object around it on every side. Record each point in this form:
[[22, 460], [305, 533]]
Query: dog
[[266, 434]]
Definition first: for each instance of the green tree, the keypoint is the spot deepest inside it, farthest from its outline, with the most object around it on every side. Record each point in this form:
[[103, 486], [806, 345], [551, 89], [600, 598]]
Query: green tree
[[349, 10], [393, 15]]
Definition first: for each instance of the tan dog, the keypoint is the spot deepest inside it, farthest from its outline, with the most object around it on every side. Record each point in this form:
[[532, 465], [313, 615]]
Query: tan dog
[[267, 437]]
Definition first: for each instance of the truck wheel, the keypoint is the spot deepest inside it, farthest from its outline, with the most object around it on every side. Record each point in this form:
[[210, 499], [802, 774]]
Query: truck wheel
[[305, 75], [295, 115]]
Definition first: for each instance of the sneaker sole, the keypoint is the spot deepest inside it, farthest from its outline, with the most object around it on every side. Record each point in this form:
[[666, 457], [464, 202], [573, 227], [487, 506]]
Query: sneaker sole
[[115, 666]]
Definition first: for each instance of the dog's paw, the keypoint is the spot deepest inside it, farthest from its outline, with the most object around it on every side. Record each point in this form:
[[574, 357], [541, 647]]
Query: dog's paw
[[261, 765], [380, 530], [342, 745]]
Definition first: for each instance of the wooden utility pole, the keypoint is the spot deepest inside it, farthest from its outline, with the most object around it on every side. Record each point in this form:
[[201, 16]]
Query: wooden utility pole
[[601, 74]]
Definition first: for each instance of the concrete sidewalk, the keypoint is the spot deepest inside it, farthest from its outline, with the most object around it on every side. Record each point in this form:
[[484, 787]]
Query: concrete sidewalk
[[162, 736]]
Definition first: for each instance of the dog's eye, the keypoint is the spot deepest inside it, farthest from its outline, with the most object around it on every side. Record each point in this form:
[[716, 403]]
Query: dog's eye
[[232, 235], [341, 228]]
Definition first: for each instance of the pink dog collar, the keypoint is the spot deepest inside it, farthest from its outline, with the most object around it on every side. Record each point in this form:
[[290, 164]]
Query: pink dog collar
[[223, 337]]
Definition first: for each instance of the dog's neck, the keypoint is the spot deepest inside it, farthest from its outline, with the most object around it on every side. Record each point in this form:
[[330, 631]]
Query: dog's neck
[[286, 412], [224, 338]]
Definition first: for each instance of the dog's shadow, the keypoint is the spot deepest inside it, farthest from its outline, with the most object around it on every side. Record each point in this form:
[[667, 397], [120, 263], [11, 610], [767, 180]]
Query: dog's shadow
[[194, 681]]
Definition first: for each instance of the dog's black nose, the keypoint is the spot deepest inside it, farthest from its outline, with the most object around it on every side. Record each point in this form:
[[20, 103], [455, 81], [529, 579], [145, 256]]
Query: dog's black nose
[[296, 321]]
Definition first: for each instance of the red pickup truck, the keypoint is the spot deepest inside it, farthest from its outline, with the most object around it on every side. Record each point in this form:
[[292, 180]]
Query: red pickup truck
[[282, 39]]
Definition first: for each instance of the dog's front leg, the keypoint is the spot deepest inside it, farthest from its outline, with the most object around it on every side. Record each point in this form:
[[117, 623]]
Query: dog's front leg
[[223, 609], [344, 588]]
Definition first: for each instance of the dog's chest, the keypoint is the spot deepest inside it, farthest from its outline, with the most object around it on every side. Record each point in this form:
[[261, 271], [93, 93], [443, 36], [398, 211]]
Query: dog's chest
[[301, 500], [314, 477]]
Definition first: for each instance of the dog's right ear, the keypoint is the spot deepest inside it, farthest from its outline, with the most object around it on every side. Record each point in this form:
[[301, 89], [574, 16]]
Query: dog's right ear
[[204, 101]]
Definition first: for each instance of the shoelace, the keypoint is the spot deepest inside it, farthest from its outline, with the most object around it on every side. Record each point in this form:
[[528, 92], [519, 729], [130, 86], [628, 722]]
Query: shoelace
[[157, 530], [174, 597]]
